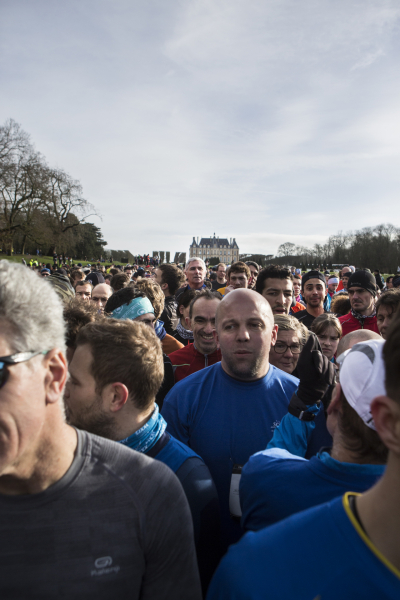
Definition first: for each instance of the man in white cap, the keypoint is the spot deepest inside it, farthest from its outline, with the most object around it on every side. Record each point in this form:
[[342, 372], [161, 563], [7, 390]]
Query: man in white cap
[[333, 283], [356, 459], [346, 548]]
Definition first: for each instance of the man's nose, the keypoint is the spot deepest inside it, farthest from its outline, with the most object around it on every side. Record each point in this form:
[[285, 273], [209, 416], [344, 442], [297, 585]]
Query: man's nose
[[243, 333], [281, 299], [209, 327]]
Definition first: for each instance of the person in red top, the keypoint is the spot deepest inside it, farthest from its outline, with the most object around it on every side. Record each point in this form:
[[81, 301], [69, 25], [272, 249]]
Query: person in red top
[[203, 352], [344, 275], [362, 292]]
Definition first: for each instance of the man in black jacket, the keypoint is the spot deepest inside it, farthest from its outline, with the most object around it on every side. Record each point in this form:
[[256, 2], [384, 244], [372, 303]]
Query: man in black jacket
[[169, 278]]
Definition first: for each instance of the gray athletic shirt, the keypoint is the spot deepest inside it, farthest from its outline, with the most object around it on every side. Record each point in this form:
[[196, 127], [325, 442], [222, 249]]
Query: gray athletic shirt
[[117, 525]]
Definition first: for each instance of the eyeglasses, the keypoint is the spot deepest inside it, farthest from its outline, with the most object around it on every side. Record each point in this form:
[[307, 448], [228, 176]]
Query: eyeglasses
[[14, 359], [280, 348]]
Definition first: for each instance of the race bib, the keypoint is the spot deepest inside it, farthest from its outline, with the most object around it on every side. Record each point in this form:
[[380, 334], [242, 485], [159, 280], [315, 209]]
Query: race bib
[[234, 499]]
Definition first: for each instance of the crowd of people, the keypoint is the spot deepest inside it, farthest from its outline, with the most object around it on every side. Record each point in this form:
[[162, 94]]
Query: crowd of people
[[183, 433]]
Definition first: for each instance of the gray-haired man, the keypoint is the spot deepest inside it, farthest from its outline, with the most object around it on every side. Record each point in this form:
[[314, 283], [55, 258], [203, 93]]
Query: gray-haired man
[[78, 513]]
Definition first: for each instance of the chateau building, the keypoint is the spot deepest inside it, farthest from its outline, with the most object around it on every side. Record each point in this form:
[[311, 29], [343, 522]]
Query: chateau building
[[227, 251]]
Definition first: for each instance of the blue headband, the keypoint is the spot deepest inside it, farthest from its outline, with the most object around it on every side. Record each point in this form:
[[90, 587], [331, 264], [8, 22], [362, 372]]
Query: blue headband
[[135, 308]]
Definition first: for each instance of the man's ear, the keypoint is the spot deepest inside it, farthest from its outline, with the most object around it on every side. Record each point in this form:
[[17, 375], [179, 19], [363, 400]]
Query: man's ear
[[335, 403], [274, 335], [114, 396], [386, 414], [215, 334], [164, 286], [56, 375], [188, 323]]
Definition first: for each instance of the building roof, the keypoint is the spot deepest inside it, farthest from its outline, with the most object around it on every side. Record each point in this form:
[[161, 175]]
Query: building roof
[[214, 240]]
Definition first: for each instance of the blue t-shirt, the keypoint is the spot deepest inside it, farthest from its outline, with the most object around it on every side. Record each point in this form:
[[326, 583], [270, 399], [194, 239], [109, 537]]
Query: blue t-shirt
[[321, 553], [276, 484], [226, 421]]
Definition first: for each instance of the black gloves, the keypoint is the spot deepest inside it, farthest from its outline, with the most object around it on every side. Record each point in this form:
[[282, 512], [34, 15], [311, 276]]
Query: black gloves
[[317, 377]]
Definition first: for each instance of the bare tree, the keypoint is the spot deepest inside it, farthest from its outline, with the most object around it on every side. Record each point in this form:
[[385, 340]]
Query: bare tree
[[62, 198], [287, 249], [37, 203]]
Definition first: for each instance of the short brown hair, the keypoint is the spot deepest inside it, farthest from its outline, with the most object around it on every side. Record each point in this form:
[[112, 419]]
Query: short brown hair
[[128, 352], [239, 267], [358, 438], [185, 299], [290, 323], [390, 299], [83, 282], [77, 275], [207, 295], [77, 314], [172, 276], [320, 325], [340, 305], [119, 281], [154, 293], [391, 357]]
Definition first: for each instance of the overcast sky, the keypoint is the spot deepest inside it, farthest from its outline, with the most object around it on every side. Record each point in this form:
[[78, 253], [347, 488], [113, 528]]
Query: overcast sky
[[264, 120]]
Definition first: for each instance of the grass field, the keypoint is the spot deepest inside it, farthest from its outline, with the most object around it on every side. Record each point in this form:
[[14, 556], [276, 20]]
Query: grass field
[[17, 258]]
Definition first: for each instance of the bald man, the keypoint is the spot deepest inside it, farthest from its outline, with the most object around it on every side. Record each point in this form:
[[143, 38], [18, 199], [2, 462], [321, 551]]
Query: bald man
[[229, 411], [355, 337]]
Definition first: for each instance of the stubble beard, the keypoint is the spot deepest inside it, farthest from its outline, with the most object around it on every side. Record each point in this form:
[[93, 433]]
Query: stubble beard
[[246, 372], [94, 421]]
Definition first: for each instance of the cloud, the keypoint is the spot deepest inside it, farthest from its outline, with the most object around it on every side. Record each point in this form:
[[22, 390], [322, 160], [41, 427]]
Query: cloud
[[269, 121]]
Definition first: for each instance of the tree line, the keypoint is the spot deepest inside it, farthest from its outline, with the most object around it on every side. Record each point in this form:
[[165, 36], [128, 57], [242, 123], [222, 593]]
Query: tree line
[[41, 207], [371, 247]]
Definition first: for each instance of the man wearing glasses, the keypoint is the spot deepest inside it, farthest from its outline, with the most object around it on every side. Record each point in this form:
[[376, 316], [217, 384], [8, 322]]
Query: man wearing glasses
[[78, 513]]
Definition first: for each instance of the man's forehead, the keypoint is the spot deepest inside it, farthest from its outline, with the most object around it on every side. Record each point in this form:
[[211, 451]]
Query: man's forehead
[[81, 360], [239, 305], [195, 265], [276, 283], [314, 281], [205, 305], [101, 290]]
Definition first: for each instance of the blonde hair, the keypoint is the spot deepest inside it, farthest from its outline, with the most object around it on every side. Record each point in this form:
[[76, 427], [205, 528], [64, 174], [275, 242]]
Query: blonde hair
[[289, 323]]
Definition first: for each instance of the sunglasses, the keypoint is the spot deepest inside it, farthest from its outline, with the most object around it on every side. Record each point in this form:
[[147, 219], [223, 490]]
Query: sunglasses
[[14, 359]]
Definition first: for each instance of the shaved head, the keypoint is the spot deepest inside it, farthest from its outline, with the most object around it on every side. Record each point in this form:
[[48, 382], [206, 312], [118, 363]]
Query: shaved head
[[354, 337], [237, 298], [245, 331]]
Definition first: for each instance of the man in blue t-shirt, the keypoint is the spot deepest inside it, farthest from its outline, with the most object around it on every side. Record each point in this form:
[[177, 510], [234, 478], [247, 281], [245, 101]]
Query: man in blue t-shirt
[[347, 548], [115, 374], [229, 411], [277, 483]]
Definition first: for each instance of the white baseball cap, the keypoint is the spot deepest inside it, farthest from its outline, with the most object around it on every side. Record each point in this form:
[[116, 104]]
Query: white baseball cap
[[362, 376]]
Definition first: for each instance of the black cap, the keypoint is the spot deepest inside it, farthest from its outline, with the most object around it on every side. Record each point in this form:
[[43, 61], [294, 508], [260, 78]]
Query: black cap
[[363, 279], [95, 278], [312, 275]]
